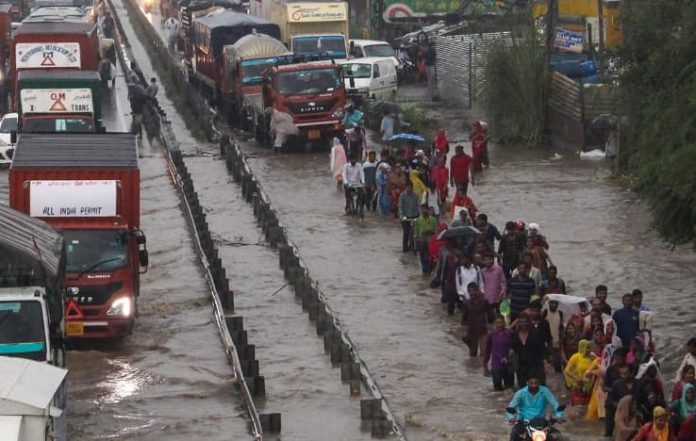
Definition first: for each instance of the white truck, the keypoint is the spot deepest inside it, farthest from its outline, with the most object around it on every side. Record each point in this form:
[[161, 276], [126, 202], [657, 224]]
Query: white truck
[[314, 29], [30, 395]]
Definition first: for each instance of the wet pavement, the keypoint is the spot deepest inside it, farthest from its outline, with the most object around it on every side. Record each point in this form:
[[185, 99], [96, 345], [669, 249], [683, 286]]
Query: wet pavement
[[598, 231], [170, 379]]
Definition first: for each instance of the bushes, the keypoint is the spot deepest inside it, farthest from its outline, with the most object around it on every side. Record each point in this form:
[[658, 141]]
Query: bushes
[[514, 95]]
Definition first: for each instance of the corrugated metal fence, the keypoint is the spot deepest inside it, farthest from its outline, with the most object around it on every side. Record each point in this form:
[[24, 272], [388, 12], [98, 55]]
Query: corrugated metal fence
[[460, 65]]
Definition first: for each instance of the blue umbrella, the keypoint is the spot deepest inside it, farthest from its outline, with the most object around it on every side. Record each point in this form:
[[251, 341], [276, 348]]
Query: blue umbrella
[[406, 137]]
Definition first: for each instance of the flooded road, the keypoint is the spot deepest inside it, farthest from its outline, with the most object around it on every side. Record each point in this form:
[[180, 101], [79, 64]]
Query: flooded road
[[598, 232]]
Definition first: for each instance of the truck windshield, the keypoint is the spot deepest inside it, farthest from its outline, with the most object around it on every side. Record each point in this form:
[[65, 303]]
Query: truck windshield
[[22, 329], [357, 70], [333, 46], [95, 250], [51, 125], [309, 82], [252, 70], [379, 50]]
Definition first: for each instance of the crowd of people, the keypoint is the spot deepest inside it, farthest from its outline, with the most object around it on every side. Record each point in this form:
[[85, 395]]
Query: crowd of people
[[516, 313]]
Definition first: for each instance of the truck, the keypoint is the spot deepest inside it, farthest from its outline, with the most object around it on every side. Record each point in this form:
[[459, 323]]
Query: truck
[[216, 30], [312, 93], [61, 101], [244, 64], [32, 401], [32, 297], [55, 43], [87, 186], [316, 28]]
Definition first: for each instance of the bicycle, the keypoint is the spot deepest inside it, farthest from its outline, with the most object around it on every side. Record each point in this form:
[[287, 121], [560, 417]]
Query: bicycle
[[356, 200]]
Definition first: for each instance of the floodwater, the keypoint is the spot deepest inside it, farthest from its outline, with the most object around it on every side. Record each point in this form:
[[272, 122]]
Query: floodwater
[[598, 232], [170, 379]]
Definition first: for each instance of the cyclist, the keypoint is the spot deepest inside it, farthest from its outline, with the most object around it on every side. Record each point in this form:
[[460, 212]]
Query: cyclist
[[353, 180], [531, 402], [353, 121]]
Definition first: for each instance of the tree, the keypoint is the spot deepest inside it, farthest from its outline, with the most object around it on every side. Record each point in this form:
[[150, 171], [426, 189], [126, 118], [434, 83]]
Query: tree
[[658, 90]]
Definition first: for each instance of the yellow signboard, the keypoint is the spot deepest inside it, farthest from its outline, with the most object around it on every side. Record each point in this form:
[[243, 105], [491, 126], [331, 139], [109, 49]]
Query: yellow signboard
[[316, 12]]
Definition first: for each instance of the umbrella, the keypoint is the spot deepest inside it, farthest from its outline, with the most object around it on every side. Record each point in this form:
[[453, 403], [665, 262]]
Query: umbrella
[[406, 137], [604, 121], [458, 232], [386, 107]]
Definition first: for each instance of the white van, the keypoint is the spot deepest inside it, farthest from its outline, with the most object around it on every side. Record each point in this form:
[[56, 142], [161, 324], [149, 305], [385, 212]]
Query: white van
[[375, 77], [374, 48]]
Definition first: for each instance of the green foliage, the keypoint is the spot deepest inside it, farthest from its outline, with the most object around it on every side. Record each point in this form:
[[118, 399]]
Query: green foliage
[[514, 95], [658, 90]]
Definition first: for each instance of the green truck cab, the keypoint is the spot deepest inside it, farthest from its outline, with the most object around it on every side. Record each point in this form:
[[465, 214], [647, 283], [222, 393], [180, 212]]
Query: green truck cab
[[59, 101]]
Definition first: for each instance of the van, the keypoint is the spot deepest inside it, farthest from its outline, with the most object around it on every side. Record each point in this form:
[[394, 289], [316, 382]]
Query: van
[[373, 77], [374, 48]]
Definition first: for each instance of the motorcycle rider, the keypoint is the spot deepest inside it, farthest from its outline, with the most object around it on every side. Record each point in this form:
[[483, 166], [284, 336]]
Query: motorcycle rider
[[353, 119], [353, 180], [531, 402]]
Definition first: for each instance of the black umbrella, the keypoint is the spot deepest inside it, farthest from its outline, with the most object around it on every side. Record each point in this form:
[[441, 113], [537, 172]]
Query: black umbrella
[[465, 232], [386, 107], [604, 121]]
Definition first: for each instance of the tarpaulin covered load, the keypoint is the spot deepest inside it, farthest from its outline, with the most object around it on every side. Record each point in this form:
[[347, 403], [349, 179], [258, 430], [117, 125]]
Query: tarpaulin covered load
[[216, 30]]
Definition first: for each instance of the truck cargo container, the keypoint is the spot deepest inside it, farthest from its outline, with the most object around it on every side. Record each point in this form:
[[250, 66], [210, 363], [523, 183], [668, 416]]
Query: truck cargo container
[[32, 272], [58, 43], [311, 28], [212, 32], [88, 187], [59, 101]]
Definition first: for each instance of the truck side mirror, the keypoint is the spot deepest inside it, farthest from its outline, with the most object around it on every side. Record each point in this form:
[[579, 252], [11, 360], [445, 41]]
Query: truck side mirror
[[140, 238], [13, 137], [144, 259]]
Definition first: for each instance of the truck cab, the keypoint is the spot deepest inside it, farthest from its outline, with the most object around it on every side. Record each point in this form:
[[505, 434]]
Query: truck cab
[[32, 267], [94, 200], [314, 95], [331, 46]]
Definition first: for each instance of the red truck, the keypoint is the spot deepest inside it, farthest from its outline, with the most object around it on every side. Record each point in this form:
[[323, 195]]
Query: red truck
[[313, 93], [54, 42], [88, 187]]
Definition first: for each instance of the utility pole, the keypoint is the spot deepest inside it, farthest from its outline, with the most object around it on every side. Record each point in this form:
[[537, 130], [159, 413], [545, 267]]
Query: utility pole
[[550, 30], [600, 50]]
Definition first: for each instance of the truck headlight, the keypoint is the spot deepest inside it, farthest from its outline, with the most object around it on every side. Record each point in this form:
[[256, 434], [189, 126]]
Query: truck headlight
[[120, 307], [337, 114]]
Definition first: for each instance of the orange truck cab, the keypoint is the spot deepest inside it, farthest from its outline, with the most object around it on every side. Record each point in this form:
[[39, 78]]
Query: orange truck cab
[[313, 93], [88, 187]]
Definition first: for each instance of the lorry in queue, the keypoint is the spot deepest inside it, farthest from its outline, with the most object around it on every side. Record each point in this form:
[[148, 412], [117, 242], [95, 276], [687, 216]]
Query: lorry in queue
[[59, 101], [88, 187], [32, 297], [211, 33], [32, 401], [312, 93], [58, 42], [308, 28], [244, 64]]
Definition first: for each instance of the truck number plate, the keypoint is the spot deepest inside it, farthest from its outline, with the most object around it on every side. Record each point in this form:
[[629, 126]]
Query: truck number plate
[[76, 328], [314, 134]]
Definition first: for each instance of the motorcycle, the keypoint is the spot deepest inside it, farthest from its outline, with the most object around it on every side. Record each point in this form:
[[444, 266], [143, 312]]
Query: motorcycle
[[538, 429]]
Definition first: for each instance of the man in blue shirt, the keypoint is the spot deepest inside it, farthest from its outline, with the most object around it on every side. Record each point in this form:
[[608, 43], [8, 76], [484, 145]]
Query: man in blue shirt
[[627, 320], [531, 402]]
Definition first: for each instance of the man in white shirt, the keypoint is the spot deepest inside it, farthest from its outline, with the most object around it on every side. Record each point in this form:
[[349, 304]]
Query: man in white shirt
[[353, 177], [467, 273]]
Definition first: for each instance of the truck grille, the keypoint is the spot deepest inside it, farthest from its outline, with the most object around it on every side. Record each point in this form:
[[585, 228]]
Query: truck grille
[[311, 107], [96, 295]]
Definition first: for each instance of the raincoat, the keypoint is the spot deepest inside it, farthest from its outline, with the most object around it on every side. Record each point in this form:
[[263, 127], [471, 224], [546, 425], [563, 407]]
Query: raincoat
[[575, 371], [682, 407], [282, 126], [418, 186], [338, 159]]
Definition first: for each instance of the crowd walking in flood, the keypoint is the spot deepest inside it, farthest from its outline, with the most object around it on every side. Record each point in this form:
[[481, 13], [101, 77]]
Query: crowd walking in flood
[[516, 313]]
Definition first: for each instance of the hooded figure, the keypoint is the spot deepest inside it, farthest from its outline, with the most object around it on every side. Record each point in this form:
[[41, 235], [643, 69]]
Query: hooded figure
[[479, 145], [686, 404], [441, 143], [626, 419], [574, 373], [282, 126]]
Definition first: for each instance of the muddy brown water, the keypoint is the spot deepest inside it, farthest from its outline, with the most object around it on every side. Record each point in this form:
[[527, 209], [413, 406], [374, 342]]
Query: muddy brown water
[[599, 233]]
